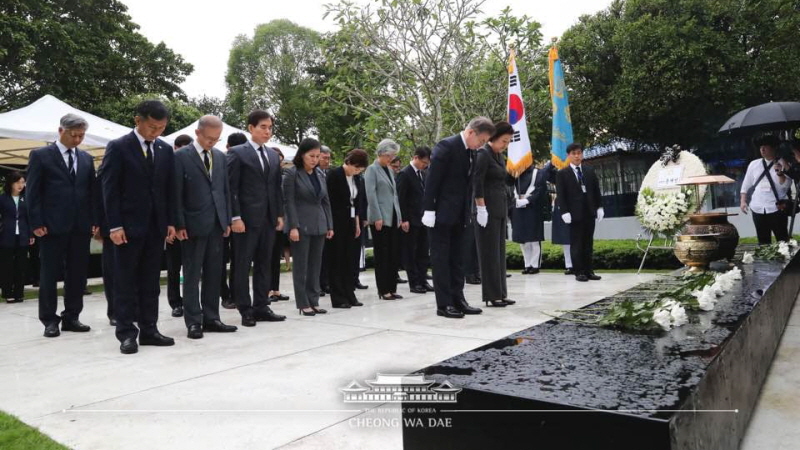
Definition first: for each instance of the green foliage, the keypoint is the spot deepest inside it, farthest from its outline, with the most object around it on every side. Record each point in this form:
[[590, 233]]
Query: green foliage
[[631, 315], [271, 71], [85, 52], [667, 71], [123, 110], [15, 435]]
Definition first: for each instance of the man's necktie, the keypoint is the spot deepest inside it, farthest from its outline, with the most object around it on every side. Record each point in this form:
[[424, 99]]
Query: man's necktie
[[421, 180], [264, 161], [71, 165], [207, 162], [580, 175], [149, 154]]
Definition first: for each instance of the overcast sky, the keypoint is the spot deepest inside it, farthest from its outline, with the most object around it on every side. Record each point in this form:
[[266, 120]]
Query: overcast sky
[[203, 32]]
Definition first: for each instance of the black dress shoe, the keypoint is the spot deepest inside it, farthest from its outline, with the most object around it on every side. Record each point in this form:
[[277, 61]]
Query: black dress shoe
[[13, 300], [509, 301], [401, 281], [508, 275], [387, 297], [428, 287], [177, 311], [248, 320], [128, 346], [322, 293], [74, 325], [343, 306], [157, 339], [361, 286], [278, 298], [533, 270], [51, 330], [419, 290], [450, 312], [581, 277], [466, 309], [592, 276], [569, 271], [195, 332], [525, 271], [319, 310], [357, 303], [266, 315], [112, 322], [472, 280], [87, 292], [228, 304], [216, 326], [496, 303], [397, 296]]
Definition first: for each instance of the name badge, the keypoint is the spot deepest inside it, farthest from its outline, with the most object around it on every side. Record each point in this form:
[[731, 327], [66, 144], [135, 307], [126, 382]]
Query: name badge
[[352, 212]]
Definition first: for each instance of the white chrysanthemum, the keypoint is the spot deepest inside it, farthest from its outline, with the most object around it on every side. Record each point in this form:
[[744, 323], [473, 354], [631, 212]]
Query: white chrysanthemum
[[747, 258], [792, 243], [663, 318], [678, 315]]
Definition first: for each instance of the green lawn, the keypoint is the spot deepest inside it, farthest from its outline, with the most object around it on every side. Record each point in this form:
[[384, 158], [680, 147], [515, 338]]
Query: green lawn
[[15, 435]]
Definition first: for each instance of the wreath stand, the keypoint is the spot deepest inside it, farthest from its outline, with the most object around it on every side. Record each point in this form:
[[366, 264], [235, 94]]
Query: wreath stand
[[669, 244]]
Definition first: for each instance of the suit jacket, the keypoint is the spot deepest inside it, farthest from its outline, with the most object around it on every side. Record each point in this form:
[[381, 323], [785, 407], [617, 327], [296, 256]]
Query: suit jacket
[[410, 191], [361, 199], [570, 197], [489, 182], [9, 214], [339, 195], [201, 201], [447, 186], [382, 203], [97, 203], [134, 193], [306, 210], [54, 201], [255, 195]]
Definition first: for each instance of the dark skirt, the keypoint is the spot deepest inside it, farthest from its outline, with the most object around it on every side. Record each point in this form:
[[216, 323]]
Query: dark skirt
[[527, 224], [560, 230]]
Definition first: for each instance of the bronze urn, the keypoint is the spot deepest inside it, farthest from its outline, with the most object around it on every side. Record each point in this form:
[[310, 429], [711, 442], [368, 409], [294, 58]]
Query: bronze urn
[[697, 251], [715, 223]]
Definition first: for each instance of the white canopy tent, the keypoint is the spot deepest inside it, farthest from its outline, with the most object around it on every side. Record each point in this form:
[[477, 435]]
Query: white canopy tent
[[227, 130], [35, 125]]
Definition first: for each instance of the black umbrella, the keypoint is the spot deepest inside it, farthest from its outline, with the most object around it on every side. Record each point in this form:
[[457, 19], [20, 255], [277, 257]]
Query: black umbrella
[[769, 116]]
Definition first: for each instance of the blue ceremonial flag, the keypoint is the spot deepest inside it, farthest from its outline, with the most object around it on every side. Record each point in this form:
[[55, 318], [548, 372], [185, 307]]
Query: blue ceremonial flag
[[562, 124]]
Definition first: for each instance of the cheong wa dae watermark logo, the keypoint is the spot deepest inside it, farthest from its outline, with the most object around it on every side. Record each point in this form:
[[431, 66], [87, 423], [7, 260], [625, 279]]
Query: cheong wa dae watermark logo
[[400, 389]]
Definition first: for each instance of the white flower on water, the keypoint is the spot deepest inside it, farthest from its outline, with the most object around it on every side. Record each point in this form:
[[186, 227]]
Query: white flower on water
[[663, 318], [747, 258], [792, 243], [783, 249], [678, 315], [706, 299]]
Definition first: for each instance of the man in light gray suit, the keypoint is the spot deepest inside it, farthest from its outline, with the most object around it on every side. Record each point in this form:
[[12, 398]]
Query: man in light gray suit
[[202, 220]]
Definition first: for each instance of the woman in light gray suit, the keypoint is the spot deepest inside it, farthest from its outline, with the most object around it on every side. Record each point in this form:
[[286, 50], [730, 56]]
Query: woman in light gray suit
[[309, 221], [383, 215]]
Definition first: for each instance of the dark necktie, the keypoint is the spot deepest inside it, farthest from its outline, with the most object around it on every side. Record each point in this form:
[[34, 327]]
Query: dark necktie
[[71, 164], [207, 162], [264, 161], [580, 175], [149, 154], [421, 180]]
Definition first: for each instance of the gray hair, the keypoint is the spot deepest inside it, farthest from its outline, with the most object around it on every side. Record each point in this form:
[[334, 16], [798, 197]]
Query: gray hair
[[481, 125], [325, 149], [73, 122], [209, 121], [387, 146]]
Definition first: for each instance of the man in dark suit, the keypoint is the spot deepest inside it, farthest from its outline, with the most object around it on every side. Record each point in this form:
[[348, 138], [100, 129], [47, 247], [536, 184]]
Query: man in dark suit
[[173, 255], [447, 204], [414, 243], [137, 194], [324, 166], [254, 174], [578, 198], [202, 220], [59, 195], [102, 235]]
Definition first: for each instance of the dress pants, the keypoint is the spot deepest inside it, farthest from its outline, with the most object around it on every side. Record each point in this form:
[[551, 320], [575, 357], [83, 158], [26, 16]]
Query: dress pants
[[108, 275], [415, 255], [136, 283], [357, 256], [13, 264], [67, 253], [581, 235], [447, 255], [225, 286], [470, 249], [385, 248], [767, 224], [202, 256], [491, 244], [306, 263], [340, 250], [277, 254], [174, 274], [252, 247], [324, 282]]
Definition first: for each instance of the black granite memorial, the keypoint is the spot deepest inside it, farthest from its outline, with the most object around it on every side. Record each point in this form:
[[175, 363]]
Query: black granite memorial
[[567, 386]]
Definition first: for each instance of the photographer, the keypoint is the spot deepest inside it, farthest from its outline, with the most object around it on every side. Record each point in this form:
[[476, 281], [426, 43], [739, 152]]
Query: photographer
[[769, 187]]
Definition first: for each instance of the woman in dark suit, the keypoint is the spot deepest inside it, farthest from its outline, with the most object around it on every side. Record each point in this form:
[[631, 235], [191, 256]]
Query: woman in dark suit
[[489, 185], [344, 195], [309, 221], [15, 238]]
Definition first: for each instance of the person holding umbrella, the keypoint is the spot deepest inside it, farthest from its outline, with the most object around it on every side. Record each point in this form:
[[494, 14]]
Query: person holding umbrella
[[768, 187]]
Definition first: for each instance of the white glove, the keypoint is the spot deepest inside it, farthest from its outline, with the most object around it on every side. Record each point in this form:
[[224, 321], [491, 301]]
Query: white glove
[[567, 218], [483, 216], [522, 202], [600, 214], [429, 218]]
